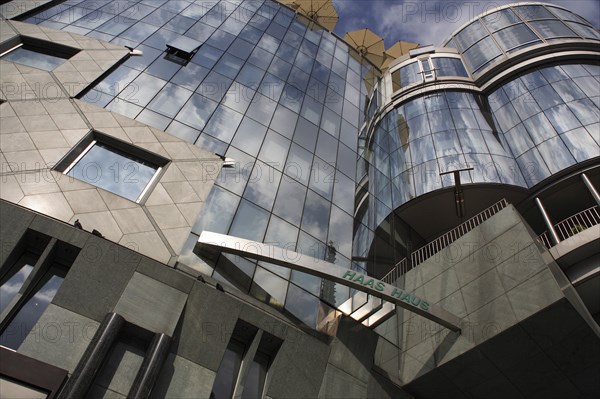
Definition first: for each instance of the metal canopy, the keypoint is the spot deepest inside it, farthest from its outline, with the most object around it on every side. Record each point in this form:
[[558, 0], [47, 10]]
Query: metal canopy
[[331, 272]]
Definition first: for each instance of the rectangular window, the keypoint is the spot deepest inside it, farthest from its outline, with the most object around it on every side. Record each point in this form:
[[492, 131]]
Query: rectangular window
[[30, 284], [243, 371], [228, 372], [37, 53], [406, 76], [113, 165]]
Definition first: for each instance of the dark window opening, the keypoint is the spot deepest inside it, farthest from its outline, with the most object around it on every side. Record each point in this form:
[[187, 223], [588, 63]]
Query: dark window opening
[[30, 283], [182, 50]]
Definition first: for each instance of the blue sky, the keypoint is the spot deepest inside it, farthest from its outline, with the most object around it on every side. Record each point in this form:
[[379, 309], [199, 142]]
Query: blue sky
[[429, 21]]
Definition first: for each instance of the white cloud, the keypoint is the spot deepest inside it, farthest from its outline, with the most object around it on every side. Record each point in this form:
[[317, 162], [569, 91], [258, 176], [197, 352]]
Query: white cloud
[[431, 22]]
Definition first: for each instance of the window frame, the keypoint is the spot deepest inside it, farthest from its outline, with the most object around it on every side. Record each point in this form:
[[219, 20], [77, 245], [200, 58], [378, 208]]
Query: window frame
[[39, 46], [55, 255], [424, 76], [140, 155]]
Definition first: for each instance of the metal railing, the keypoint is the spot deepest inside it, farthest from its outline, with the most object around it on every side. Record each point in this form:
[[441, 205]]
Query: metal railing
[[441, 242], [427, 251], [399, 269], [573, 225]]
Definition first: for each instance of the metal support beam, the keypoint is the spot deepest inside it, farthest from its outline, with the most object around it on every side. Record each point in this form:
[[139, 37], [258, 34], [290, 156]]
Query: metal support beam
[[591, 188], [549, 225], [331, 272], [153, 361], [89, 365]]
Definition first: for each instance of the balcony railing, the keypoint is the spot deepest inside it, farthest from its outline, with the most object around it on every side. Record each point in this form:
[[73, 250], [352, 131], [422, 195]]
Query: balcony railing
[[427, 251], [573, 225]]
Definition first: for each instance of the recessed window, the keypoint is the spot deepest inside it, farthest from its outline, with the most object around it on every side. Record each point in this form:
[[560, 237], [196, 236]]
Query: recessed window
[[37, 53], [45, 274], [114, 166], [245, 364]]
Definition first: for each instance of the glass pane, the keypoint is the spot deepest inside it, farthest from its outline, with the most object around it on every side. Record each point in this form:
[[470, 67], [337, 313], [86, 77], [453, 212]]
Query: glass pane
[[228, 371], [322, 177], [283, 235], [223, 123], [469, 35], [533, 12], [500, 19], [142, 89], [556, 154], [262, 185], [518, 140], [290, 200], [269, 289], [31, 311], [565, 14], [584, 30], [581, 144], [274, 150], [549, 29], [533, 167], [539, 128], [515, 36], [482, 53], [114, 171], [408, 75], [249, 136], [33, 58], [17, 275], [217, 212], [170, 100], [255, 380], [302, 305], [316, 215], [449, 67], [562, 118], [250, 222]]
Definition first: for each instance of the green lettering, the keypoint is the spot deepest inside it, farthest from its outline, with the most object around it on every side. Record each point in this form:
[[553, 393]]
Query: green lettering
[[380, 286], [349, 274], [424, 305], [406, 297], [370, 283], [397, 293], [418, 300], [360, 279]]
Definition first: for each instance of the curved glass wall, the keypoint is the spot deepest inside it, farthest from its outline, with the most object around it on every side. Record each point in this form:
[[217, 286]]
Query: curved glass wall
[[533, 126], [492, 37], [550, 118], [283, 100], [429, 135]]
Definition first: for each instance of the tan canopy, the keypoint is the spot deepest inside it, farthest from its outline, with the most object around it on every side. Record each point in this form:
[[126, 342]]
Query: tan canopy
[[396, 51], [320, 11], [368, 44]]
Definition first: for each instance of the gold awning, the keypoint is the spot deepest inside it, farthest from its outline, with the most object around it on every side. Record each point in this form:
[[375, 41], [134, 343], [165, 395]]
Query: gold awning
[[396, 51], [368, 44], [321, 11]]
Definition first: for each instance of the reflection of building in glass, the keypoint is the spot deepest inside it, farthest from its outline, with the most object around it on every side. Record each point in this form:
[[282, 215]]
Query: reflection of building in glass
[[163, 120]]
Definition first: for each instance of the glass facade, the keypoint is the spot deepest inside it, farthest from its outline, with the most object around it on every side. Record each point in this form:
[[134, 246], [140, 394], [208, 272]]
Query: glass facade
[[282, 100], [493, 37], [317, 171]]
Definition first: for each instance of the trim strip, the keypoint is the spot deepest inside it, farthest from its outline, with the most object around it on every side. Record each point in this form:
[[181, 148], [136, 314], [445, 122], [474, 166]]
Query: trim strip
[[331, 272]]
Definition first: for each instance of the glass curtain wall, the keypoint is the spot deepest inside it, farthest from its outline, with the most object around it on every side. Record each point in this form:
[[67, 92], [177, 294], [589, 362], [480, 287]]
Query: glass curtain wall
[[283, 100]]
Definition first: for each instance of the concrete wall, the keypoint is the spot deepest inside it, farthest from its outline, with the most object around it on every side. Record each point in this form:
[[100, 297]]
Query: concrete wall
[[492, 278], [106, 277]]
